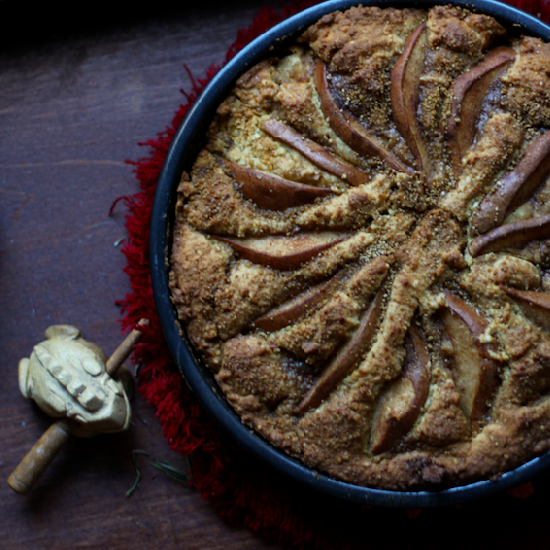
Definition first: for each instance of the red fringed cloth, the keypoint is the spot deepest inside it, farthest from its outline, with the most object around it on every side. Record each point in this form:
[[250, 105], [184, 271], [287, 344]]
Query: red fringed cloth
[[244, 491]]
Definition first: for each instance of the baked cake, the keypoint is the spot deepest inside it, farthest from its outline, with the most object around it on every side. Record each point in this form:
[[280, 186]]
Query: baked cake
[[360, 252]]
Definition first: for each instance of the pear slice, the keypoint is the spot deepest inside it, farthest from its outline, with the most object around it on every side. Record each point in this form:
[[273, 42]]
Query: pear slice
[[515, 187], [272, 192], [535, 303], [512, 234], [314, 152], [404, 80], [347, 358], [468, 93], [475, 323], [533, 297], [298, 307], [348, 128], [476, 377], [489, 381], [400, 406], [283, 253]]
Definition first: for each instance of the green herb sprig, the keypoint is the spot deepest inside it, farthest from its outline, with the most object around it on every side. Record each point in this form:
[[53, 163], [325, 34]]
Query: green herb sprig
[[162, 465]]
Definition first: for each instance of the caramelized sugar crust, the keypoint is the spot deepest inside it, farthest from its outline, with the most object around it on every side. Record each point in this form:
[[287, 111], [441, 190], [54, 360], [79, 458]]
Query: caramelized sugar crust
[[361, 248]]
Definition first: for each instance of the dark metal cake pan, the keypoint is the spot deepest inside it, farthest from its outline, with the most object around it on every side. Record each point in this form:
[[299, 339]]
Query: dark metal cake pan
[[182, 153]]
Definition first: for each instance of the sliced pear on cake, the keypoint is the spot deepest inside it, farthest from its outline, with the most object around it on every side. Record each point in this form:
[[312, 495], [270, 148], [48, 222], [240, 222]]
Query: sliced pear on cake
[[273, 192], [468, 93], [535, 303], [512, 234], [348, 128], [404, 78], [515, 187], [347, 358], [314, 152], [298, 307], [476, 376], [473, 320], [401, 404], [283, 253]]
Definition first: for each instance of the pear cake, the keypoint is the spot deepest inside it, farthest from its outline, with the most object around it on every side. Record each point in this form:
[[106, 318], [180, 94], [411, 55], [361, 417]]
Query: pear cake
[[361, 248]]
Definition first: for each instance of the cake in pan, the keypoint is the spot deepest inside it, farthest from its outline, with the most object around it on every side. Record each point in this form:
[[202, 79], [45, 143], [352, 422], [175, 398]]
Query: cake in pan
[[360, 251]]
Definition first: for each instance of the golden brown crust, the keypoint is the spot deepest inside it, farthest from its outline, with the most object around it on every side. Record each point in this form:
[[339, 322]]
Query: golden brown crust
[[365, 324]]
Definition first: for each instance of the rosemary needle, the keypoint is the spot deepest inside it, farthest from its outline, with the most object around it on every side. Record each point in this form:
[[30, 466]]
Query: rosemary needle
[[136, 467], [171, 471], [162, 465]]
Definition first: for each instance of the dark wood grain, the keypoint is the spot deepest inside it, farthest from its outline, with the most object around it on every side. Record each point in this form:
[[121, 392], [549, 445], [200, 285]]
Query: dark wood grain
[[76, 97]]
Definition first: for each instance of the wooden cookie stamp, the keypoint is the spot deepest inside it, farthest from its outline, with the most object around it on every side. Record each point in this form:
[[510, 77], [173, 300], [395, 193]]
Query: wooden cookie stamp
[[72, 380]]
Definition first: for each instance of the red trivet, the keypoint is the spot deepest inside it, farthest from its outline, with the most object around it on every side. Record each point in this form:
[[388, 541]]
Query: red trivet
[[244, 491]]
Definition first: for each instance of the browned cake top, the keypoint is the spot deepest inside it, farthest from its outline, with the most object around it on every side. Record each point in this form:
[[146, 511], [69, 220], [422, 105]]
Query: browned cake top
[[360, 251]]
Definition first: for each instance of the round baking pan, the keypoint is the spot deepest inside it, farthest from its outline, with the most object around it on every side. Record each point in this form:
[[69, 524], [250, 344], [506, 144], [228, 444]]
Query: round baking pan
[[181, 155]]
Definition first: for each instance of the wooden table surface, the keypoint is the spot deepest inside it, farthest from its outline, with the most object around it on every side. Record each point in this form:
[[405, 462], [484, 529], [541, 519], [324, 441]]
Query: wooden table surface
[[78, 92]]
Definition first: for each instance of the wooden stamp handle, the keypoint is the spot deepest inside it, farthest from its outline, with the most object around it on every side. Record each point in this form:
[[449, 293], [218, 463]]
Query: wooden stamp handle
[[55, 437], [39, 457], [125, 349]]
